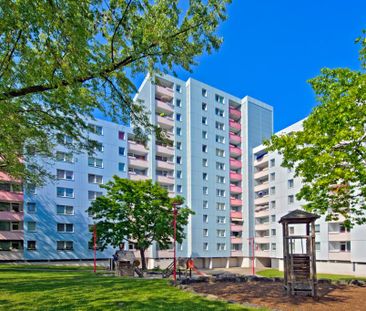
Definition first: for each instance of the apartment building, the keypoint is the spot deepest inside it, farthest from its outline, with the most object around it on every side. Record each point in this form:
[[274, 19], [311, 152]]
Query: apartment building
[[275, 188]]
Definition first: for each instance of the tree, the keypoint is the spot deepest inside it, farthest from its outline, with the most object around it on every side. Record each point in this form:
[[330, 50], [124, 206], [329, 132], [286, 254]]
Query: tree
[[139, 212], [62, 60], [329, 154]]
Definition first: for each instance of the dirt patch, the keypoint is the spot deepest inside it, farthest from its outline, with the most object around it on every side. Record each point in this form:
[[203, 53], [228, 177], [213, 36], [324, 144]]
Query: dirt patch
[[272, 296]]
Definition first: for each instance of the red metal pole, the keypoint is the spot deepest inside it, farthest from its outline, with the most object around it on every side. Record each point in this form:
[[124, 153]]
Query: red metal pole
[[95, 247], [253, 269], [174, 242]]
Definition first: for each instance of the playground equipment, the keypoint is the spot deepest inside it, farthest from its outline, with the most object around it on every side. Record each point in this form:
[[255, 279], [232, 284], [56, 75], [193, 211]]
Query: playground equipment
[[299, 254], [185, 268]]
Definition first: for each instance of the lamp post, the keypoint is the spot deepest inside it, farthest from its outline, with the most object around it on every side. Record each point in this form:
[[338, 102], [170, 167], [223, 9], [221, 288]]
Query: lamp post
[[175, 212]]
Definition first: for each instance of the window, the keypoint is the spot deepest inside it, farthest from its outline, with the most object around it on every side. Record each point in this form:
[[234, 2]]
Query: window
[[272, 190], [32, 226], [273, 232], [273, 218], [179, 145], [97, 146], [31, 245], [16, 226], [204, 120], [204, 148], [65, 210], [96, 129], [204, 92], [179, 131], [65, 228], [221, 219], [204, 134], [221, 233], [219, 112], [221, 246], [290, 199], [272, 176], [178, 103], [92, 195], [220, 126], [220, 166], [179, 174], [220, 179], [345, 246], [94, 162], [121, 151], [317, 246], [273, 204], [31, 207], [65, 140], [205, 190], [179, 189], [178, 117], [63, 174], [205, 232], [205, 218], [220, 153], [204, 176], [178, 88], [317, 228], [64, 157], [219, 99], [204, 106], [220, 206], [273, 246], [205, 204], [65, 192], [179, 160], [65, 245], [272, 162], [292, 230], [205, 246], [95, 179], [290, 183], [121, 135], [220, 139], [121, 166], [204, 162], [220, 192]]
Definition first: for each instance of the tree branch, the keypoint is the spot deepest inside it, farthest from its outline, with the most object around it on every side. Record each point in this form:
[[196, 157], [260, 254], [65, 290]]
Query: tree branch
[[9, 55]]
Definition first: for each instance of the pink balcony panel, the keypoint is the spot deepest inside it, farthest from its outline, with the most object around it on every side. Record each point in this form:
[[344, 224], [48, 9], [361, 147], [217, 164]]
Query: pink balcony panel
[[236, 139], [235, 151], [165, 165], [164, 92], [135, 162], [11, 216], [236, 202], [136, 148], [11, 196], [236, 253], [234, 125], [12, 235], [236, 215], [136, 177], [166, 180], [235, 240], [6, 177], [236, 228], [235, 163], [165, 150], [235, 114], [163, 106], [235, 176], [165, 122], [235, 189]]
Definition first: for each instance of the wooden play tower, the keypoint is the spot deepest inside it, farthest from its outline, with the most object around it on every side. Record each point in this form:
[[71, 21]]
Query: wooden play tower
[[299, 254]]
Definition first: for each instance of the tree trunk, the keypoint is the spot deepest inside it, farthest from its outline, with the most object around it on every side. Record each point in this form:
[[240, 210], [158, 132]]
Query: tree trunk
[[143, 259]]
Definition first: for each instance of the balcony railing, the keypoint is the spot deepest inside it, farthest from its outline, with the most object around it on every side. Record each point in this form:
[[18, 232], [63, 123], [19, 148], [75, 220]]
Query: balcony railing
[[235, 189], [236, 228], [166, 180], [136, 147], [235, 176], [165, 122], [164, 107], [165, 165], [235, 164], [134, 176], [11, 196], [164, 92], [234, 113], [236, 202], [165, 150], [339, 236], [12, 216], [236, 240], [236, 253], [139, 163], [234, 126], [12, 235], [261, 187], [234, 139], [261, 174], [236, 215], [235, 151]]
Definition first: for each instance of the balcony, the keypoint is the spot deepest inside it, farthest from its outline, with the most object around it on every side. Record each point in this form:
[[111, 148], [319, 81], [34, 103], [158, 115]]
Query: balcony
[[234, 139], [236, 202], [236, 215], [134, 176], [165, 165], [339, 236], [162, 150], [6, 177], [262, 239], [261, 174], [262, 226], [236, 254], [12, 235], [139, 163], [234, 114], [235, 189], [235, 176], [262, 161], [262, 212], [235, 240], [164, 92], [136, 148], [262, 253], [261, 187], [235, 164], [165, 122], [261, 201], [342, 256], [234, 126], [235, 151], [164, 107], [11, 216], [236, 228], [12, 255], [11, 196], [168, 253], [166, 180]]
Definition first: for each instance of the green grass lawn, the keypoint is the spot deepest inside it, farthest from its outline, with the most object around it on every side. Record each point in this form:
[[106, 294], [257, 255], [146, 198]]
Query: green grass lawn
[[25, 289], [271, 273]]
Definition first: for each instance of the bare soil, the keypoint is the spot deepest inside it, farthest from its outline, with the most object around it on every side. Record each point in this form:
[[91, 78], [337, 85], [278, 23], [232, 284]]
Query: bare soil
[[273, 296]]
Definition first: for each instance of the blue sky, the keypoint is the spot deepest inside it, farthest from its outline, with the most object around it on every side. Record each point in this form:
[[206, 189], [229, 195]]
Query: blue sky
[[271, 48]]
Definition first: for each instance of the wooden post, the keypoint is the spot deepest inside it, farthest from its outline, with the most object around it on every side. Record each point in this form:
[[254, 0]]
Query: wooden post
[[313, 261]]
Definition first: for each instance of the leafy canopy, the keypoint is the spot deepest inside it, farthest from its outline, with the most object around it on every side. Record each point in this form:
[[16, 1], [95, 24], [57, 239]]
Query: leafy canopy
[[329, 154], [62, 60]]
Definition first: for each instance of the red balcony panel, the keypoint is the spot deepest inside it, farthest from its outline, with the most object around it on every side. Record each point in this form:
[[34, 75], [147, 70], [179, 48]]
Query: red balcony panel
[[236, 228], [235, 240], [235, 189], [235, 151], [235, 176], [234, 138], [235, 114], [236, 202], [234, 125], [235, 163], [236, 215], [6, 177], [12, 235], [11, 216], [11, 196]]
